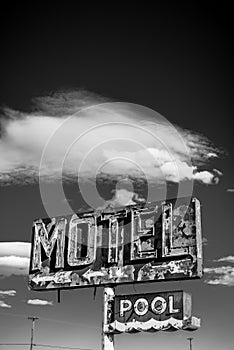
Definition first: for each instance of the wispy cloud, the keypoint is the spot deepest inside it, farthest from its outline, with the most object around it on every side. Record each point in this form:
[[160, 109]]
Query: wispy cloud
[[4, 294], [229, 259], [13, 265], [212, 155], [207, 177], [123, 197], [204, 241], [222, 275], [10, 293], [15, 248], [231, 190], [5, 305], [14, 258], [100, 134], [39, 302]]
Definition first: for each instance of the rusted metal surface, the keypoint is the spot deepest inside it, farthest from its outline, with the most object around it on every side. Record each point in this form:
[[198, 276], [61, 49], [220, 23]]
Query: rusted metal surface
[[158, 305], [172, 324], [151, 242], [108, 318], [151, 312]]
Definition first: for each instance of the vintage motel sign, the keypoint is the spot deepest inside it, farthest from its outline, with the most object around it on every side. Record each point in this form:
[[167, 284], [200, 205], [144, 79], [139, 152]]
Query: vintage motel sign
[[150, 312], [147, 242]]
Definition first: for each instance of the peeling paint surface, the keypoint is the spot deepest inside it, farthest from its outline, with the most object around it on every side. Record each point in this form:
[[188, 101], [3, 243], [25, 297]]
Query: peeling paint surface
[[152, 325], [159, 306], [151, 242]]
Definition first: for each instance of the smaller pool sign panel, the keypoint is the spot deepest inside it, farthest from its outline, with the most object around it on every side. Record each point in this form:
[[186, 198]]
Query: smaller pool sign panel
[[159, 306], [151, 312], [149, 242]]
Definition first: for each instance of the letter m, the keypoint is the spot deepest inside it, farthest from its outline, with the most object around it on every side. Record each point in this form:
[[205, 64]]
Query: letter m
[[45, 236]]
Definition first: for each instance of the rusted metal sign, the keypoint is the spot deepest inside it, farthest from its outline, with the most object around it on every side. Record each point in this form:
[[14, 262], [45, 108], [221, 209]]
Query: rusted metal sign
[[151, 242], [150, 312], [160, 306]]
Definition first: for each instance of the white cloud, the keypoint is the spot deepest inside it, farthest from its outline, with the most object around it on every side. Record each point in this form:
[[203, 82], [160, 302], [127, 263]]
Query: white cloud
[[222, 275], [231, 190], [204, 176], [10, 293], [6, 293], [39, 302], [217, 172], [14, 258], [14, 265], [212, 155], [96, 138], [15, 248], [3, 304], [229, 259], [204, 241], [155, 163], [123, 197]]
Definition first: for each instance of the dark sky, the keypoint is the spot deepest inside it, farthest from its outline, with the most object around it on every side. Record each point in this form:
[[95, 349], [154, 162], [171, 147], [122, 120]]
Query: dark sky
[[176, 59]]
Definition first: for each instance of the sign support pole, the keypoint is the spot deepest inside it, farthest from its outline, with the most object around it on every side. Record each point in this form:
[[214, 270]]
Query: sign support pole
[[108, 317]]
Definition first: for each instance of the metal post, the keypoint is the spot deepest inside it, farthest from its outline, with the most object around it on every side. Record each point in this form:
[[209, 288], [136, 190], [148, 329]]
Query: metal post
[[108, 317], [33, 318], [190, 343]]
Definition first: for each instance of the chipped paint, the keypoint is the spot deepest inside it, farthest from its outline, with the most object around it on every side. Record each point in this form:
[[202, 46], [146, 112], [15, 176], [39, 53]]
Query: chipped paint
[[151, 242], [152, 325], [150, 312]]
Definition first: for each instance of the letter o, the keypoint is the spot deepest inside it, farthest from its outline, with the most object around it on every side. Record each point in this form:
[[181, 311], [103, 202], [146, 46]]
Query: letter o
[[144, 306], [159, 309]]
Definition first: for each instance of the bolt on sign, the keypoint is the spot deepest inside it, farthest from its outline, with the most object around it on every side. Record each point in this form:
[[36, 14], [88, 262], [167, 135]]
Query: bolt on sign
[[151, 312], [151, 242]]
